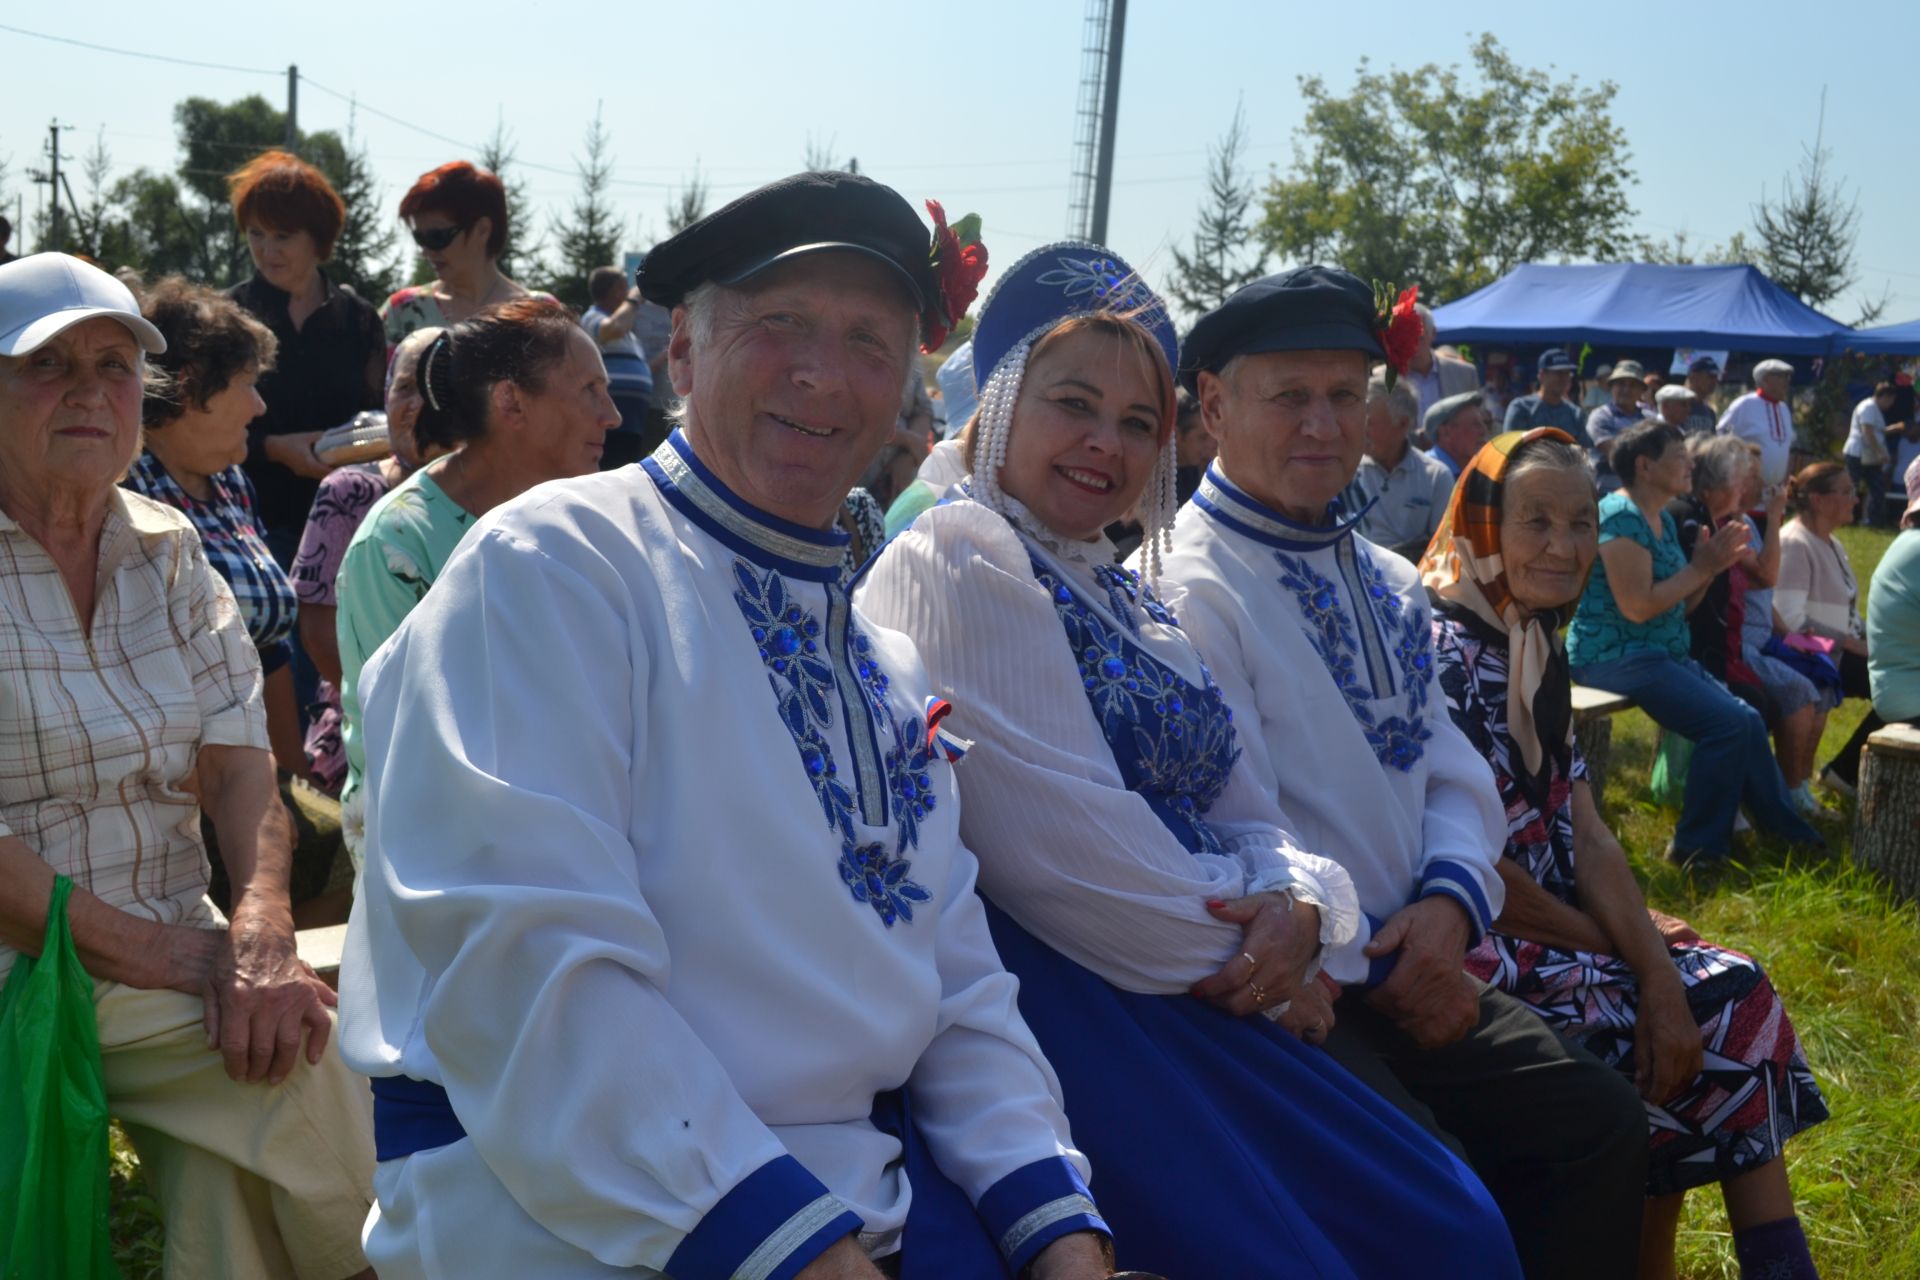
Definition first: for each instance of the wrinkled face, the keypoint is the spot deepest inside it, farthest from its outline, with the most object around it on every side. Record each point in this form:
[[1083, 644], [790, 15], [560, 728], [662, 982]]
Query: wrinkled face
[[1463, 434], [798, 383], [404, 399], [1626, 393], [466, 256], [1086, 432], [1670, 474], [1549, 535], [70, 410], [1675, 410], [1291, 426], [1386, 431], [563, 426], [210, 440], [1555, 383], [287, 259], [1703, 385], [1777, 385]]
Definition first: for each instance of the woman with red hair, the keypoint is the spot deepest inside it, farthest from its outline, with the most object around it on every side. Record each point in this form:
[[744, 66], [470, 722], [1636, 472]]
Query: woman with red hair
[[458, 217], [332, 358]]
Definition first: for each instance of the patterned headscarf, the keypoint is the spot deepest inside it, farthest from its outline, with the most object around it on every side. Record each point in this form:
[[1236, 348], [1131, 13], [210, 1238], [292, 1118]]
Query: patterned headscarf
[[1464, 570]]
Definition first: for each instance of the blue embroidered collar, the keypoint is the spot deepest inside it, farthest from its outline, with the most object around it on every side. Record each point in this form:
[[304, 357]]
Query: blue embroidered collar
[[1231, 506], [767, 540]]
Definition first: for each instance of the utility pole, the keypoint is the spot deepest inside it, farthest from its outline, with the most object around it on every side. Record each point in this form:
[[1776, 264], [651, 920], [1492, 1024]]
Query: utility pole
[[1109, 116], [53, 179], [293, 108]]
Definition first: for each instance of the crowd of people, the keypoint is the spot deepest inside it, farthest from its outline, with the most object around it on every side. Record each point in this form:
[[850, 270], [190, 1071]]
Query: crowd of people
[[1118, 807]]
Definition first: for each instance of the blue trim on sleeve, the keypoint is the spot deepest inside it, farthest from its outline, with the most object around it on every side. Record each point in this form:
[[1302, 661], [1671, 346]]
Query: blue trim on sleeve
[[1453, 879], [770, 1226], [1035, 1205], [1379, 968]]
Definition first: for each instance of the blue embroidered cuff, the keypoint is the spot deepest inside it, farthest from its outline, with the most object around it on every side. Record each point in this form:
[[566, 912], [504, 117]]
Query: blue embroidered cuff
[[1035, 1205], [1456, 881], [1379, 968], [777, 1220]]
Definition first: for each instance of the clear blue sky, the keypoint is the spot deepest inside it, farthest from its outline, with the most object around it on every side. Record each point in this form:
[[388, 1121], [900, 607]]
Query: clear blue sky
[[973, 103]]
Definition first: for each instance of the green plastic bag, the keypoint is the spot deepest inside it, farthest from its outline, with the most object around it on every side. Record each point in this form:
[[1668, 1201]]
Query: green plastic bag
[[1669, 781], [53, 1116]]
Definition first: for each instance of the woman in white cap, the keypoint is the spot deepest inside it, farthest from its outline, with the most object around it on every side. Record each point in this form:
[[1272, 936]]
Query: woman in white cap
[[1165, 927], [130, 701]]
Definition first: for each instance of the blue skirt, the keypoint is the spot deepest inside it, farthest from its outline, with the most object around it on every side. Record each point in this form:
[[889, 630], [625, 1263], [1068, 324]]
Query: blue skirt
[[1223, 1148]]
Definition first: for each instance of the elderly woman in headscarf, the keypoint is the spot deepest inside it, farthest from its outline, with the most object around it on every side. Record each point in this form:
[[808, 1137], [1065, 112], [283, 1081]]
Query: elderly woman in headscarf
[[1164, 925], [1699, 1028]]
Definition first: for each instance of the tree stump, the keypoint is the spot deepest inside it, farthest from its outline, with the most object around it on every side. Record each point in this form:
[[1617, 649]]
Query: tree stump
[[1886, 820]]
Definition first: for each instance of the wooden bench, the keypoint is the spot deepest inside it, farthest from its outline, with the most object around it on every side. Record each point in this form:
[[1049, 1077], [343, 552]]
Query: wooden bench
[[1593, 711], [321, 948], [1886, 816]]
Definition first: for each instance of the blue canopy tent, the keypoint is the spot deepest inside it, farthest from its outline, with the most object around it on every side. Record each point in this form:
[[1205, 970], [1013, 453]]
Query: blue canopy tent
[[1888, 340], [1641, 305]]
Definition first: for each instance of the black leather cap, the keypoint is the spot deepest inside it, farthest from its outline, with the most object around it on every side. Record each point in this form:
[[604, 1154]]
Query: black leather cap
[[806, 213], [1307, 309]]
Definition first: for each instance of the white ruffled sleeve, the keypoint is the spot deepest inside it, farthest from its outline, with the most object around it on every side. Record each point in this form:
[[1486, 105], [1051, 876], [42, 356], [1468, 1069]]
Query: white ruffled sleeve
[[1065, 848]]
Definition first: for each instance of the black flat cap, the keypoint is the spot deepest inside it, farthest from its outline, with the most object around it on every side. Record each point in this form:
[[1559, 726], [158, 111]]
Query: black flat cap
[[1307, 309], [806, 213]]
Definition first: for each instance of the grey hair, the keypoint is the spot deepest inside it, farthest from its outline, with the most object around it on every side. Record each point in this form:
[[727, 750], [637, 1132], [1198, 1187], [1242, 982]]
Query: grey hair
[[1719, 462], [1547, 454], [1400, 400], [700, 306]]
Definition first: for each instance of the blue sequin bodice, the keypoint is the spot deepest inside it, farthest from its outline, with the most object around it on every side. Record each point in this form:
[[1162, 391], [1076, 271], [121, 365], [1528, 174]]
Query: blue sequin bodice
[[1173, 740]]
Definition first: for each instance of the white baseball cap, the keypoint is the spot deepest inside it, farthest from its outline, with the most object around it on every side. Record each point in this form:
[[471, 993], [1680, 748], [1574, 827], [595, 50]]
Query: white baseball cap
[[45, 294]]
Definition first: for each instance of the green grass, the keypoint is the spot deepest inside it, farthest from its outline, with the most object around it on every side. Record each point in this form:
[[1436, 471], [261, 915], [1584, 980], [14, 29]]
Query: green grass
[[1843, 953]]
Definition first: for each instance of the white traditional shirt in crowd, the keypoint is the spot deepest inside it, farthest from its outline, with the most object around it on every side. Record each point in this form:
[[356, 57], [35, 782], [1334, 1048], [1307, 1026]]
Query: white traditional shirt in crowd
[[1407, 502], [1323, 645], [664, 885], [1066, 848], [1766, 422], [1867, 434]]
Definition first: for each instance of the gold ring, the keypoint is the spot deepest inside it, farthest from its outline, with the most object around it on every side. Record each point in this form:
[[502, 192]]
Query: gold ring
[[1259, 992], [1252, 964]]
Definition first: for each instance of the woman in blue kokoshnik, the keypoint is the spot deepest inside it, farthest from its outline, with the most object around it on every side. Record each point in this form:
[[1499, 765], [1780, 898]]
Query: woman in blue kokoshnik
[[1166, 930]]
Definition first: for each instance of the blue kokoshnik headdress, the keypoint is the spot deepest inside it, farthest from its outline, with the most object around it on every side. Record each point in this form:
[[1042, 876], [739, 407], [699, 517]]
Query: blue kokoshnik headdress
[[1057, 282]]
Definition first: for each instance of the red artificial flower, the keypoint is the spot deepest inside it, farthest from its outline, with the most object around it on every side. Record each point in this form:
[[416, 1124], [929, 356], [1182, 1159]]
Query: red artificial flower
[[959, 262], [1399, 328]]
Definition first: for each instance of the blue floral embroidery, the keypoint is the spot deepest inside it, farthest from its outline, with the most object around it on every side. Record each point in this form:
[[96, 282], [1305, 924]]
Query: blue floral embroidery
[[1125, 591], [1173, 741], [879, 879], [1397, 741], [1103, 279], [788, 639]]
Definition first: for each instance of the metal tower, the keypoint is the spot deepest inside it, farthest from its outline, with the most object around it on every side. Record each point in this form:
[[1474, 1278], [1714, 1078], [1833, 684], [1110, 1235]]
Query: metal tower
[[1094, 119]]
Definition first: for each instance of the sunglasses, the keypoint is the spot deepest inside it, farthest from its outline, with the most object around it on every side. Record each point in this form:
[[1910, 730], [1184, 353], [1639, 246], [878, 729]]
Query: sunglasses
[[434, 239]]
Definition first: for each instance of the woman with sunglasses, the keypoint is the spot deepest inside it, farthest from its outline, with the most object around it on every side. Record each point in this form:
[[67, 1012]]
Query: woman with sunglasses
[[332, 358], [458, 217]]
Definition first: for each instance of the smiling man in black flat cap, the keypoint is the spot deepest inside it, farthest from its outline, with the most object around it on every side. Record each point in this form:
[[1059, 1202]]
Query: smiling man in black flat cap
[[682, 971], [1322, 644]]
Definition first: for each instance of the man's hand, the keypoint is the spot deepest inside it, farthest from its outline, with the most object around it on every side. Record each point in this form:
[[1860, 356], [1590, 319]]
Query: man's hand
[[1080, 1256], [1278, 940], [1429, 994], [260, 999], [1667, 1049], [843, 1261]]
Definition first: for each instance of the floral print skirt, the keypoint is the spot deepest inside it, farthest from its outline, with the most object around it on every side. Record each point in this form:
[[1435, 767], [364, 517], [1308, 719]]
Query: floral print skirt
[[1755, 1090]]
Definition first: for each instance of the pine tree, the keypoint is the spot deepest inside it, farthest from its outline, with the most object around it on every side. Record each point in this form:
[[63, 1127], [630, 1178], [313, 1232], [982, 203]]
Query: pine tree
[[688, 204], [1807, 236], [1220, 261], [590, 236], [364, 257], [525, 245]]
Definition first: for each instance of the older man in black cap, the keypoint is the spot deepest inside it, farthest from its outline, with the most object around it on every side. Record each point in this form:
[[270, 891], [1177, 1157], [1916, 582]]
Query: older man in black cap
[[1322, 644], [1549, 406], [681, 971]]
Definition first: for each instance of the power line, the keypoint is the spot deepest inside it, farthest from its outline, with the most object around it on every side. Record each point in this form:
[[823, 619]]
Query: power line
[[139, 53], [358, 105]]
